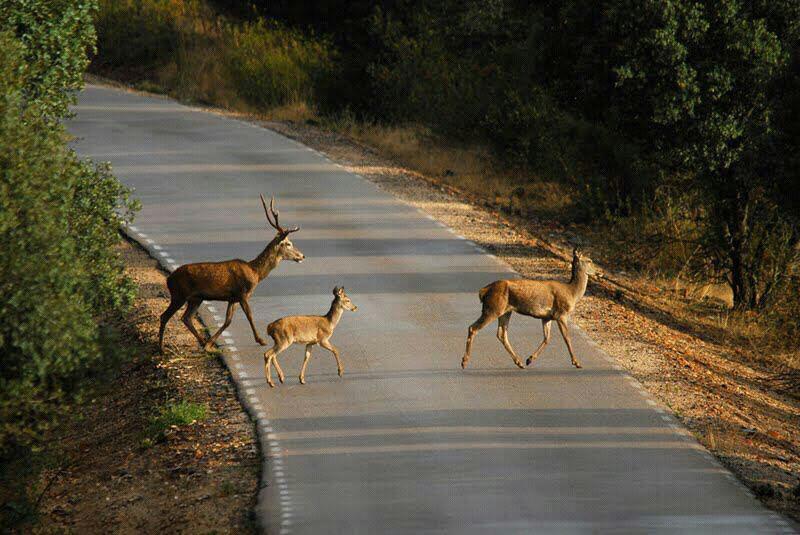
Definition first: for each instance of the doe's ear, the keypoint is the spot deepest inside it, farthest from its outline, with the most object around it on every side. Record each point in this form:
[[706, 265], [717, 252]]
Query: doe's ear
[[338, 290]]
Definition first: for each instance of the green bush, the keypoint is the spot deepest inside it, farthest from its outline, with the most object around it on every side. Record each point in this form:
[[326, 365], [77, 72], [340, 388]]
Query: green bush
[[59, 273], [271, 65], [54, 37]]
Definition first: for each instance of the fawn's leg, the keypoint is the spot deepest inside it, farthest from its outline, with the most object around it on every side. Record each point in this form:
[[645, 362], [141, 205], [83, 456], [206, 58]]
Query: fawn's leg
[[562, 326], [191, 308], [246, 307], [305, 363], [272, 355], [174, 304], [502, 335], [545, 341], [486, 318], [329, 346], [228, 317]]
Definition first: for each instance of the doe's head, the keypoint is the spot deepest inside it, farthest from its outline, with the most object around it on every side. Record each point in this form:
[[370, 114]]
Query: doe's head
[[343, 299], [582, 262]]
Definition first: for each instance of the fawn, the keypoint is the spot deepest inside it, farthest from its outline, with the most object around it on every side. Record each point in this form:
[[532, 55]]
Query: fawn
[[546, 300], [308, 330]]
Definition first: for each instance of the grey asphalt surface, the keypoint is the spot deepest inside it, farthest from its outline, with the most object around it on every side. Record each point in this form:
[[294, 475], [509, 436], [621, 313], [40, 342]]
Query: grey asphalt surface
[[405, 442]]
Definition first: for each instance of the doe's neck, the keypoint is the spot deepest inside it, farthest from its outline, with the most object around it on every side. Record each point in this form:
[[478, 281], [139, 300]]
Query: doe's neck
[[335, 313]]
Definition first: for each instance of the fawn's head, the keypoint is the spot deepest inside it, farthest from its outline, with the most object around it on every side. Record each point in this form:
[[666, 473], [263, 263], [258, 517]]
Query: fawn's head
[[343, 299], [583, 263], [285, 249]]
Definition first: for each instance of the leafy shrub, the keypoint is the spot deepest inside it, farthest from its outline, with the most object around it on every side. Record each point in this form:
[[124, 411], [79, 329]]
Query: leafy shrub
[[271, 65], [59, 274], [54, 37]]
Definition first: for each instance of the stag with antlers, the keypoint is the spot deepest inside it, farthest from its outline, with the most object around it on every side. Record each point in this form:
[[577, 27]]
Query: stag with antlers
[[232, 281]]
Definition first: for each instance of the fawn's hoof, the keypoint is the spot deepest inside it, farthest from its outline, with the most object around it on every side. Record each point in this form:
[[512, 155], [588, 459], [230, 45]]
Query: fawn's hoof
[[464, 364], [281, 378], [271, 384], [302, 381], [577, 365], [341, 372], [528, 362], [519, 364]]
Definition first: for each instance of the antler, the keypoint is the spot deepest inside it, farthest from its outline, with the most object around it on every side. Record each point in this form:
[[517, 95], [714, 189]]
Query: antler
[[275, 214]]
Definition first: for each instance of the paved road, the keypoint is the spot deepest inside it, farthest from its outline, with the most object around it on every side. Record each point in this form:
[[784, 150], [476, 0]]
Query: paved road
[[405, 442]]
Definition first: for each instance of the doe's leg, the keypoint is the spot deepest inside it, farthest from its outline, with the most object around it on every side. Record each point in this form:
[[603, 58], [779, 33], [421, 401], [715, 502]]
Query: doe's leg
[[485, 319], [329, 346], [228, 318], [305, 363], [545, 341], [502, 335], [562, 326], [188, 316]]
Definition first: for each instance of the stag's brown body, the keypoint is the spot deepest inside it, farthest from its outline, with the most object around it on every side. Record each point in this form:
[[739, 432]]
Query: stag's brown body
[[546, 300], [232, 281]]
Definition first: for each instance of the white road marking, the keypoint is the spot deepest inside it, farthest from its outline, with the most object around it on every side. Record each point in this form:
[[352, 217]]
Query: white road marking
[[232, 349], [211, 308], [148, 240], [135, 229], [157, 247], [163, 253], [226, 333]]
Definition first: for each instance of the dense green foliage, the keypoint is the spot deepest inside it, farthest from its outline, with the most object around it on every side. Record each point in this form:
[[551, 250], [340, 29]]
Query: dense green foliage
[[59, 221], [690, 101], [678, 118], [184, 47]]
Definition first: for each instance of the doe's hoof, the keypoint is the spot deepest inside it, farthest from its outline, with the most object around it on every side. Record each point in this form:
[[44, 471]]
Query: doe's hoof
[[260, 342], [302, 381]]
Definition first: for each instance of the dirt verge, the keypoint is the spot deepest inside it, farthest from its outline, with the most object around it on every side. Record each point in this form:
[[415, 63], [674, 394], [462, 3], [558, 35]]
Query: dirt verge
[[126, 468]]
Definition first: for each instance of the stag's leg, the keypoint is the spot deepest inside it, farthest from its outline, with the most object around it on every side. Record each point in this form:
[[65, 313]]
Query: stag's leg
[[545, 341], [329, 346], [246, 307], [228, 318], [485, 319], [502, 335], [562, 326], [191, 309], [174, 305], [305, 363]]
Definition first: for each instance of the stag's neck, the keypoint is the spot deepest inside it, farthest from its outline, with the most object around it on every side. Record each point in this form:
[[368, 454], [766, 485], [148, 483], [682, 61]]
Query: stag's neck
[[268, 260], [578, 282], [334, 314]]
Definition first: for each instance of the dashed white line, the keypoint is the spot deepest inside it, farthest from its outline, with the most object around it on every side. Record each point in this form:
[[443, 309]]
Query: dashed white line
[[163, 253], [148, 240], [211, 308], [157, 247], [233, 349], [135, 229]]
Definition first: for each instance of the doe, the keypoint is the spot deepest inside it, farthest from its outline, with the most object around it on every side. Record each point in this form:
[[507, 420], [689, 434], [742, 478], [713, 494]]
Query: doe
[[308, 330], [546, 300], [232, 281]]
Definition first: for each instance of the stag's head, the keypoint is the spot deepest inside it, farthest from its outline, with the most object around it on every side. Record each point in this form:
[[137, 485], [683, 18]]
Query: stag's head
[[581, 262], [285, 248], [343, 299]]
